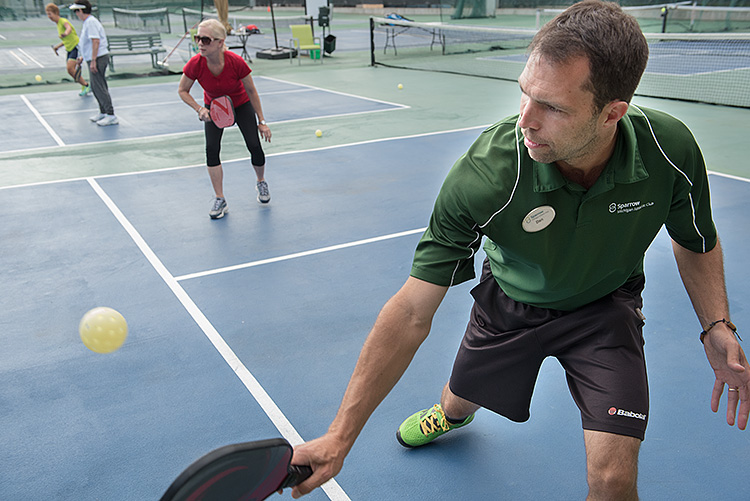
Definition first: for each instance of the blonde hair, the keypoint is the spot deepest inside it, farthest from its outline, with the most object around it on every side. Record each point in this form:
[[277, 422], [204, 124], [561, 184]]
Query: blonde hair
[[50, 7], [214, 27]]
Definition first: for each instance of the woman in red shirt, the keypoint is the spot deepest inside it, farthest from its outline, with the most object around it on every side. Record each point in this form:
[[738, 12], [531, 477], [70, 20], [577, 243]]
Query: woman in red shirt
[[221, 72]]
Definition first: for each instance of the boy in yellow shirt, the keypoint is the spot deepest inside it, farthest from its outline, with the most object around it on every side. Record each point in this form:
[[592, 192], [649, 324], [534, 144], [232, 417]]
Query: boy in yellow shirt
[[69, 39]]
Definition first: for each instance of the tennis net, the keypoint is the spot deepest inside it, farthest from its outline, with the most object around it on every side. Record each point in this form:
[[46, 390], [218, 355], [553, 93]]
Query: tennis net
[[152, 20], [704, 67]]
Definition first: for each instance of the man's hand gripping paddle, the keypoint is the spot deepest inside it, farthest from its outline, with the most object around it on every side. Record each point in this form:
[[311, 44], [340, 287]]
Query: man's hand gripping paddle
[[247, 471]]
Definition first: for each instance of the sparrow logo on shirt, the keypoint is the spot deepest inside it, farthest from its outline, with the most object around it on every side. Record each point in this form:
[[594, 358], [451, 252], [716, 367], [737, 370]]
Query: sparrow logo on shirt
[[627, 207]]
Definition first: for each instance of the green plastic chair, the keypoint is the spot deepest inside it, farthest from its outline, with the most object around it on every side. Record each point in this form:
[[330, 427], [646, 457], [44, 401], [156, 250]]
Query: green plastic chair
[[303, 39]]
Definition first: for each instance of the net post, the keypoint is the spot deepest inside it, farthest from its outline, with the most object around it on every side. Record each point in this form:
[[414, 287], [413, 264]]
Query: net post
[[372, 42]]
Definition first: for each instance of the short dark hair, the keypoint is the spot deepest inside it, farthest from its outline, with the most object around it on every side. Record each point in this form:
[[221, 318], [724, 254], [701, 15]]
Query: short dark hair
[[86, 5], [612, 41]]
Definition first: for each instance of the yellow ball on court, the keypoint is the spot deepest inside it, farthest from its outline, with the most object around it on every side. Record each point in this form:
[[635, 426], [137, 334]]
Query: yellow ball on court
[[38, 78], [318, 132], [103, 330], [400, 86]]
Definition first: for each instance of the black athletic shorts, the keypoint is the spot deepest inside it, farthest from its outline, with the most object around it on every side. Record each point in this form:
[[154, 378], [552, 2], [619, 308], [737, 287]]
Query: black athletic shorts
[[599, 345], [73, 54]]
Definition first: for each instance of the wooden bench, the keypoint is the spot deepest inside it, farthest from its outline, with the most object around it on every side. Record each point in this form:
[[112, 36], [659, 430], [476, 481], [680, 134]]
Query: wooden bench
[[128, 45]]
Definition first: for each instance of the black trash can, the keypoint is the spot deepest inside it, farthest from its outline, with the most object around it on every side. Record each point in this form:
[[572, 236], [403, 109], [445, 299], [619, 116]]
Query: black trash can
[[329, 44]]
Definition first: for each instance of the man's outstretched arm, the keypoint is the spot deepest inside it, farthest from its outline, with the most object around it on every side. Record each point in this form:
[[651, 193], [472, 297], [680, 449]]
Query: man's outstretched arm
[[401, 327]]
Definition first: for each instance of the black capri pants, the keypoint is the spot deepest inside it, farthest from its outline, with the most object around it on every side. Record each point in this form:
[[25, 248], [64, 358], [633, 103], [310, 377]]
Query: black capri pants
[[244, 116], [600, 346]]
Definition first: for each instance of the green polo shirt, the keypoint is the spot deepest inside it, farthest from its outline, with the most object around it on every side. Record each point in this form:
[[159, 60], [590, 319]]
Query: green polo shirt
[[550, 242]]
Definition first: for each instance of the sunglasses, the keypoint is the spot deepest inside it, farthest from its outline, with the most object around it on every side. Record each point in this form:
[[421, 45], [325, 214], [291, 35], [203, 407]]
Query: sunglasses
[[205, 40]]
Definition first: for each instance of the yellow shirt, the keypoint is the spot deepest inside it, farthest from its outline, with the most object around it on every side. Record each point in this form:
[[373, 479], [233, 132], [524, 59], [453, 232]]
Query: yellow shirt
[[71, 40]]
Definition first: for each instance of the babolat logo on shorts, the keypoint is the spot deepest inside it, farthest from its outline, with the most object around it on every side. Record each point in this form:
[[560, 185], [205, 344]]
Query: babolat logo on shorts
[[626, 207], [613, 411]]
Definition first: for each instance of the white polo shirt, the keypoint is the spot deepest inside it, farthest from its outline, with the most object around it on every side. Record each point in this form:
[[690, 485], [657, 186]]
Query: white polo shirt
[[92, 28]]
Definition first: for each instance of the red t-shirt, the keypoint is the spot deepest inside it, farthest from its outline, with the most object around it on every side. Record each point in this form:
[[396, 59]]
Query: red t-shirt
[[228, 83]]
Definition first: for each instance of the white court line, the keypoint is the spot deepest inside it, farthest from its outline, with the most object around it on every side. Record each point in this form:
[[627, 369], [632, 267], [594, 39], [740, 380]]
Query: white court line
[[176, 102], [303, 89], [126, 106], [396, 107], [337, 92], [30, 57], [292, 91], [244, 158], [299, 254], [180, 134], [19, 59], [43, 121], [331, 488], [729, 176]]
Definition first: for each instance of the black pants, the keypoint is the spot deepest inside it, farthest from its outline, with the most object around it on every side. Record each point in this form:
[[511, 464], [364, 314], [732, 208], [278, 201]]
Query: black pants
[[244, 117]]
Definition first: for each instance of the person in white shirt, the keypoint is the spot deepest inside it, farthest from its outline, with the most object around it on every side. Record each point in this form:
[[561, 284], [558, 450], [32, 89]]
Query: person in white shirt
[[93, 43]]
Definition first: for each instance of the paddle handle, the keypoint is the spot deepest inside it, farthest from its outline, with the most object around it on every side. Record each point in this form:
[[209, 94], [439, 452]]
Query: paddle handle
[[297, 475]]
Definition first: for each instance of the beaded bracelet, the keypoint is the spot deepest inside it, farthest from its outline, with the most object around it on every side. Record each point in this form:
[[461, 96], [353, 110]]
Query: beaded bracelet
[[725, 321]]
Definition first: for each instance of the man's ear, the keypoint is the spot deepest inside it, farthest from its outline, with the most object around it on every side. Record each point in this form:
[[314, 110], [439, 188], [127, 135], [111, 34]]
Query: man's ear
[[614, 111]]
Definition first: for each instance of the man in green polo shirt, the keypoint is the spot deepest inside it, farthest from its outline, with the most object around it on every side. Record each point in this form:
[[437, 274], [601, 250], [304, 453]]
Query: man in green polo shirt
[[569, 194]]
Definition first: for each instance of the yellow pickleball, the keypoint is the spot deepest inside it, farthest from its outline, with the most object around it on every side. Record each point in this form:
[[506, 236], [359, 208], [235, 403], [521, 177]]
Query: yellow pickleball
[[38, 78], [400, 86], [103, 330], [318, 132]]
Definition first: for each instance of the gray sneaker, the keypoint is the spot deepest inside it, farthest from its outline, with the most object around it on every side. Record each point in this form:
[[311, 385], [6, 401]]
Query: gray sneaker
[[98, 117], [108, 120], [263, 195], [218, 208]]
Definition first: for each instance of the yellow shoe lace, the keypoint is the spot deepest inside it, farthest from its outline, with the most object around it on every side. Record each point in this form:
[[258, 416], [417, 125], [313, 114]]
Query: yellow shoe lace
[[434, 421]]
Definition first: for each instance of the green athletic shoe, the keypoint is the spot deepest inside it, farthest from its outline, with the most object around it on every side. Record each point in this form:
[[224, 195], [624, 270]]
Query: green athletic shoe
[[425, 426]]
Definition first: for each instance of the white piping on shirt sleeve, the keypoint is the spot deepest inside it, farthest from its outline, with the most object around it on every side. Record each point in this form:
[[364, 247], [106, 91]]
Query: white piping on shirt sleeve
[[510, 199], [515, 186], [690, 182], [518, 178]]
